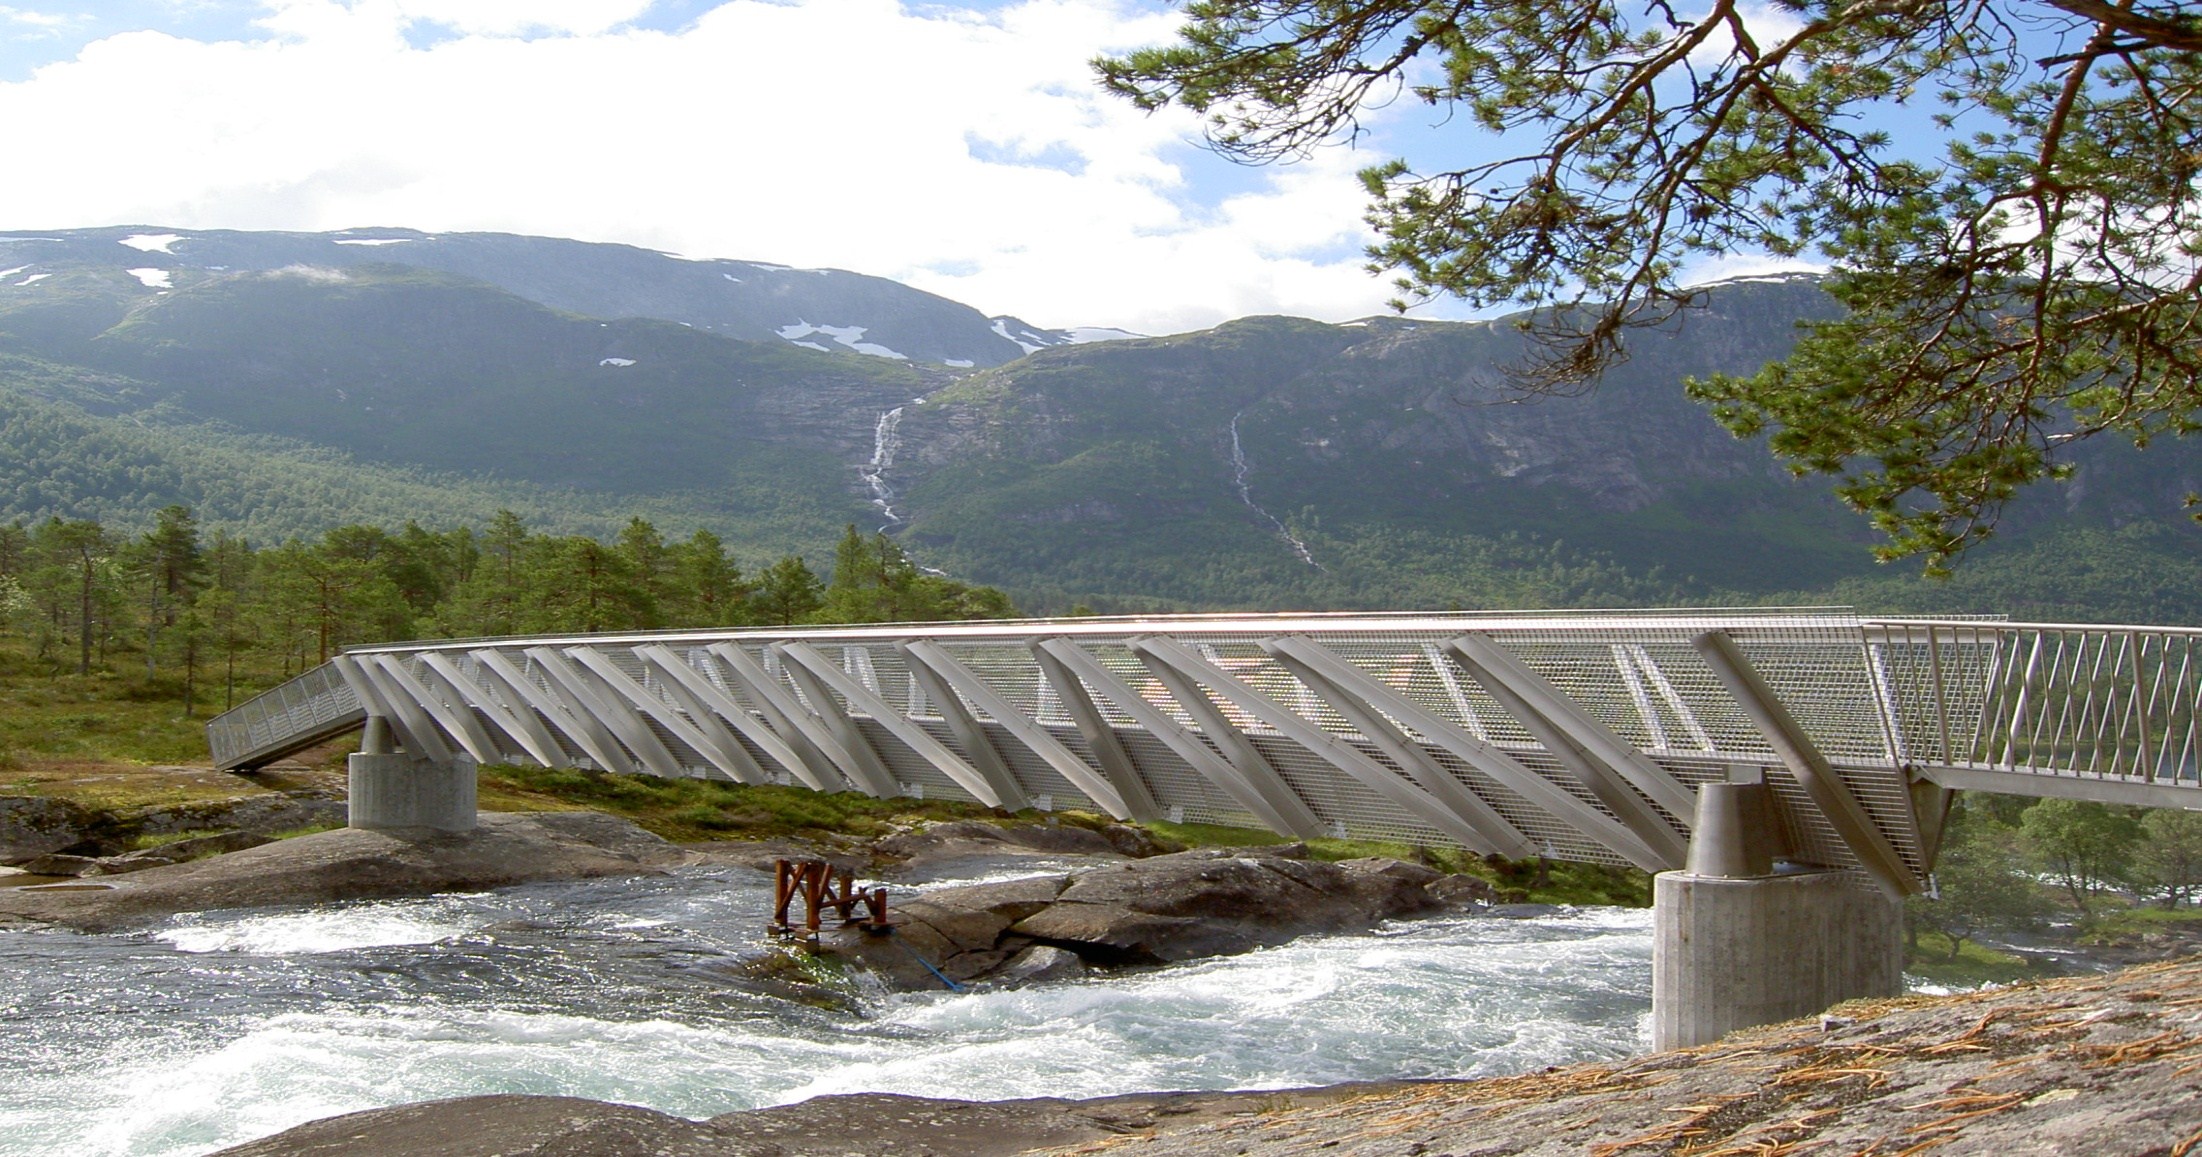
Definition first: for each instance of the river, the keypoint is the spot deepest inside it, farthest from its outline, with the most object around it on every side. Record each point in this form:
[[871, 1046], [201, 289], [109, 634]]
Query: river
[[213, 1029]]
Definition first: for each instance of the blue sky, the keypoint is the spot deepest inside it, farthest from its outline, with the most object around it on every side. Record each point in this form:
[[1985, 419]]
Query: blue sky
[[963, 149]]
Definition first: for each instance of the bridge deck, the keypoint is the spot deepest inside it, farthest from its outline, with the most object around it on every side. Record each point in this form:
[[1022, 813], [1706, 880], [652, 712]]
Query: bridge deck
[[1574, 736]]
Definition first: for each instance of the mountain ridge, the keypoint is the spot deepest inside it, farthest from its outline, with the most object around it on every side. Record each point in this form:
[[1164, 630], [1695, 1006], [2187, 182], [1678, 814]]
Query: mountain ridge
[[1267, 463]]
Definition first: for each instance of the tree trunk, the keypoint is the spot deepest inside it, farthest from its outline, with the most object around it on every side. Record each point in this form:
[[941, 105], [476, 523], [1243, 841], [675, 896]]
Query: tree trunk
[[84, 623]]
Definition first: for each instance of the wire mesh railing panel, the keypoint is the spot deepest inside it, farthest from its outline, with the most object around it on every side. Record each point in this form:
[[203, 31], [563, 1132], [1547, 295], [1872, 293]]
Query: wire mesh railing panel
[[309, 705], [2053, 700]]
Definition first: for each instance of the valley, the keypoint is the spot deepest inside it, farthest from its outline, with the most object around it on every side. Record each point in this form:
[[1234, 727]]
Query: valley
[[280, 384]]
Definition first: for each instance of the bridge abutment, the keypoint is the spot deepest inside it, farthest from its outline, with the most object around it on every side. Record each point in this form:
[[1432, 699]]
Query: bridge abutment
[[394, 789], [1737, 944]]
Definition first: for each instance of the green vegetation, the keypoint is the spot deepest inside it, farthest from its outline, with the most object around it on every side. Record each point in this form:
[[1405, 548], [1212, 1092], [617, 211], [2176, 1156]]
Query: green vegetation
[[2010, 864], [163, 839], [697, 809], [1512, 881], [1939, 960], [197, 622]]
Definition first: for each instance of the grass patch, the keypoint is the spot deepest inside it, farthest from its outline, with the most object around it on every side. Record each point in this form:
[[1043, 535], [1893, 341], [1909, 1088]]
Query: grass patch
[[691, 810], [308, 830], [115, 786], [2127, 927], [162, 839], [1974, 966]]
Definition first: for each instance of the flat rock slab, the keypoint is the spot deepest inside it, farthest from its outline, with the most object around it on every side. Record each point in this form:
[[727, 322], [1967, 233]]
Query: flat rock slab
[[356, 864], [870, 1124]]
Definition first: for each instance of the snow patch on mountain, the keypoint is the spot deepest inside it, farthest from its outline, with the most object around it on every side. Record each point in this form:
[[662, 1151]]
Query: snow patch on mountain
[[372, 240], [1088, 334], [153, 242], [14, 271], [1032, 339], [151, 278], [850, 336], [1027, 341], [34, 279], [617, 362]]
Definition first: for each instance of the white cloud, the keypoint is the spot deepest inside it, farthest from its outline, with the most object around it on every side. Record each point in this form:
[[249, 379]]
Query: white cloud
[[36, 23], [811, 132]]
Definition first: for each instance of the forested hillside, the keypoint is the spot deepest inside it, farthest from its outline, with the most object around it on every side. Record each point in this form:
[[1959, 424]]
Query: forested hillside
[[1277, 462]]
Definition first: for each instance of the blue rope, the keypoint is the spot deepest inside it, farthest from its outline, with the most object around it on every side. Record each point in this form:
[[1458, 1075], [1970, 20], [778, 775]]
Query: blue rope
[[952, 985]]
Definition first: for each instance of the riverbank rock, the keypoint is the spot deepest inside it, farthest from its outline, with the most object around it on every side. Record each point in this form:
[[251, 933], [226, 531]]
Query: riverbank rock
[[159, 856], [871, 1124], [356, 864], [1184, 906], [33, 826]]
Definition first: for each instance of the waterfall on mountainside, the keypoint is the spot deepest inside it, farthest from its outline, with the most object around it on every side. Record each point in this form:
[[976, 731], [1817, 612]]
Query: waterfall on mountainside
[[886, 439], [1239, 470]]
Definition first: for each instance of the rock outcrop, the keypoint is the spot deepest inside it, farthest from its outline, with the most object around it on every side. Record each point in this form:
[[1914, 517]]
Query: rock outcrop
[[355, 864], [35, 826], [1209, 902]]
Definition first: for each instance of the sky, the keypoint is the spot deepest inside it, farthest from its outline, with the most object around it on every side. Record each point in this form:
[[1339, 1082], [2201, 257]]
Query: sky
[[963, 150]]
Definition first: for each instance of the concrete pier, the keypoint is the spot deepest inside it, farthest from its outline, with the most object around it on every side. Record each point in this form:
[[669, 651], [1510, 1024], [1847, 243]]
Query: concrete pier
[[392, 789], [1737, 944]]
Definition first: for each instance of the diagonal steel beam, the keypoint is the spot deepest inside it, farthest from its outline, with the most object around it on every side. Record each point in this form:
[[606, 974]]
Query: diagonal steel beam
[[1101, 739], [1271, 802], [704, 700], [584, 697], [807, 660], [865, 766], [1335, 671], [416, 732], [1460, 815], [1489, 662], [926, 657], [1796, 750], [587, 732], [1606, 785], [519, 724], [817, 746], [702, 736], [984, 758], [454, 716], [1507, 839]]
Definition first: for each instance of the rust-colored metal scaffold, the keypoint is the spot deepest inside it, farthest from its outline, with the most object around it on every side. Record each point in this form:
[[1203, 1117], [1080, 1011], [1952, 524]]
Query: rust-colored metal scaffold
[[823, 886]]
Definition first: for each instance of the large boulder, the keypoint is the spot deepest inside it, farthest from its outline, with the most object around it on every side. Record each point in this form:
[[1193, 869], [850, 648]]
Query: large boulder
[[1163, 909], [33, 826]]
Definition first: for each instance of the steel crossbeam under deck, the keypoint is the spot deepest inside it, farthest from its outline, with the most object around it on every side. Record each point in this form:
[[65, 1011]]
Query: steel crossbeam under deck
[[1572, 736]]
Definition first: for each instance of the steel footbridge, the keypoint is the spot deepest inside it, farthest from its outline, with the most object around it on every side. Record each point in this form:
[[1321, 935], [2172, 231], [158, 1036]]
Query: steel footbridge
[[1574, 736]]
